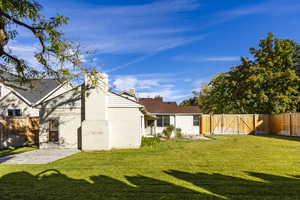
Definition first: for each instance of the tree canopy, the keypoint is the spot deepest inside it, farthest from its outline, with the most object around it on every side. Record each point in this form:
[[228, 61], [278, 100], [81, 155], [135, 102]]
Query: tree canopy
[[266, 84], [190, 102], [57, 57]]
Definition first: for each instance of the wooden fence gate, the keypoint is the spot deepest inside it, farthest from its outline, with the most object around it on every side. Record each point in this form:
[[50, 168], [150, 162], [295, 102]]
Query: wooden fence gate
[[281, 124], [227, 124]]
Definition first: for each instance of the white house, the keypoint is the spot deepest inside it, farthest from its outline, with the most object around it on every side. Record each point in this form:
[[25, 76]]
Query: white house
[[93, 119], [160, 114]]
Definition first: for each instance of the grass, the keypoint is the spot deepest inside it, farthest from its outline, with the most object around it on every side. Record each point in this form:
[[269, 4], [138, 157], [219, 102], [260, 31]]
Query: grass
[[230, 167], [8, 152]]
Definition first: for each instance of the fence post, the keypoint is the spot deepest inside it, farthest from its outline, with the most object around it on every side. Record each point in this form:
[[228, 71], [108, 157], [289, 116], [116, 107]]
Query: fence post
[[254, 124], [210, 124], [222, 124], [291, 124], [238, 124], [201, 125]]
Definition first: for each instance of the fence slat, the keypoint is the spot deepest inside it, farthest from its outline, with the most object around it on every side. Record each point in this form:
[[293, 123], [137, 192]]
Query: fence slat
[[16, 131], [282, 124]]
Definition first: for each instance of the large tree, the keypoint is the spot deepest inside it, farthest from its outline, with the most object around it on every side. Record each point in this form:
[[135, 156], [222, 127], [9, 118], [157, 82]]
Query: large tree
[[57, 57], [266, 84]]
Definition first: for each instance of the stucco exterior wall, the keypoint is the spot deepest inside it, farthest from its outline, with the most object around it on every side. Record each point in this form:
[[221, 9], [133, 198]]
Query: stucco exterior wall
[[4, 90], [186, 124], [126, 127], [68, 130], [11, 101], [159, 130], [67, 109]]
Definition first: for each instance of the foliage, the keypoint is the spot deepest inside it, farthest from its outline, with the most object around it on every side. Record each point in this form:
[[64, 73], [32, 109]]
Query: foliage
[[56, 56], [150, 141], [168, 131], [173, 169], [178, 132], [267, 84], [190, 102]]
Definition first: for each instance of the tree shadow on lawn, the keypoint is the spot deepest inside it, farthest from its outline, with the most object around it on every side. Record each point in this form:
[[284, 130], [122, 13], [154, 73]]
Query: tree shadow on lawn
[[270, 186], [51, 184], [282, 137]]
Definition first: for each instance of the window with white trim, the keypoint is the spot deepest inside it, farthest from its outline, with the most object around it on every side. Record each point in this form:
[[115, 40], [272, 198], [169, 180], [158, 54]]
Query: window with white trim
[[163, 120], [14, 112], [196, 120]]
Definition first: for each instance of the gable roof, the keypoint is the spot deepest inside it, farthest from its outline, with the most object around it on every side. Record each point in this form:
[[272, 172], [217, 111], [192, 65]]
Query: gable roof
[[117, 100], [41, 88], [157, 105]]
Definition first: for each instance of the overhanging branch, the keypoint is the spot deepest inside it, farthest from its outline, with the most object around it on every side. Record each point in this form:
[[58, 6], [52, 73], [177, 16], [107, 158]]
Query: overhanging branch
[[31, 28]]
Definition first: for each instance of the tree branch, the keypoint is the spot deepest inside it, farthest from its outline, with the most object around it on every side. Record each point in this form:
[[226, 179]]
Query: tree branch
[[31, 28]]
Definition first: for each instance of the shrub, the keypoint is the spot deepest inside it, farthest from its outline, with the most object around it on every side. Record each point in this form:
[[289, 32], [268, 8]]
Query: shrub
[[150, 141], [168, 131], [178, 133]]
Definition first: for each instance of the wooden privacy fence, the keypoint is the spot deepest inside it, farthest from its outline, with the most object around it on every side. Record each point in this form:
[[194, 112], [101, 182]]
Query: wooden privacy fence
[[282, 124], [16, 131]]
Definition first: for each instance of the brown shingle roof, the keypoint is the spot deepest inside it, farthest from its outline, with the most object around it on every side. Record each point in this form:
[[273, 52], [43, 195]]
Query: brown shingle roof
[[157, 105]]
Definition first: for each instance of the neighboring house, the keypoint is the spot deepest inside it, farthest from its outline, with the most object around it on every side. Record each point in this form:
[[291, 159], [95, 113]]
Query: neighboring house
[[87, 119], [16, 102], [161, 114]]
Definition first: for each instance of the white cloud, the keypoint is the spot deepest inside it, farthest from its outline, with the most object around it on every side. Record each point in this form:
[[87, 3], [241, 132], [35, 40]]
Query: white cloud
[[222, 58], [267, 8], [150, 87], [25, 52], [195, 58], [143, 28], [167, 94], [125, 83], [156, 51]]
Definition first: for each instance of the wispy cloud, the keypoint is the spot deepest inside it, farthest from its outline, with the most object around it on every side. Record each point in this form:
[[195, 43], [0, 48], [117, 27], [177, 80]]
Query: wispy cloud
[[23, 51], [266, 8], [158, 50], [196, 59], [150, 85], [271, 7], [127, 29]]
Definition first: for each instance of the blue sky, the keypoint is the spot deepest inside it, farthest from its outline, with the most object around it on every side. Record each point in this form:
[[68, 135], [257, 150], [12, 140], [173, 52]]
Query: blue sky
[[168, 47]]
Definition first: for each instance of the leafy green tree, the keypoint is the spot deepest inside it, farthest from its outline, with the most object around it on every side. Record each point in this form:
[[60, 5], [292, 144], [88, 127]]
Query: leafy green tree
[[168, 131], [267, 84], [190, 102], [57, 57]]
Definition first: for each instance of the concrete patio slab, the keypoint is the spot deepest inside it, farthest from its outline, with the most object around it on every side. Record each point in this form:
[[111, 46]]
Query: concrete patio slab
[[40, 156]]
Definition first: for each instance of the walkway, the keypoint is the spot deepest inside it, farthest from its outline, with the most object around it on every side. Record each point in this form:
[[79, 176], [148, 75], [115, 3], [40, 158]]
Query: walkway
[[40, 156]]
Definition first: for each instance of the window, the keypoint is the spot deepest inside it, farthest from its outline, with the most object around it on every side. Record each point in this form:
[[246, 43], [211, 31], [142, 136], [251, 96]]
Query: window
[[196, 120], [53, 130], [163, 120], [14, 112]]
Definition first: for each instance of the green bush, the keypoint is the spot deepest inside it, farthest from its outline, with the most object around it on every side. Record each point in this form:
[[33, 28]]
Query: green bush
[[150, 141], [168, 131], [178, 133]]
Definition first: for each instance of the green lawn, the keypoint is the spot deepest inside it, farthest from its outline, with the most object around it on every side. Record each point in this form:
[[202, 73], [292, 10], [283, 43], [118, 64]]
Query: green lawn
[[230, 167], [8, 152]]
